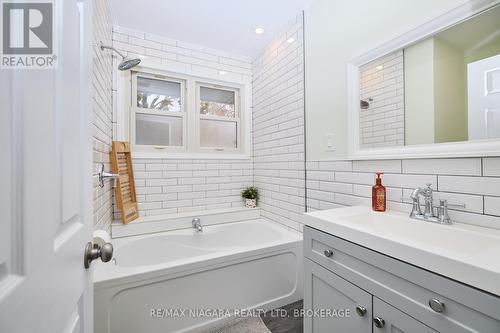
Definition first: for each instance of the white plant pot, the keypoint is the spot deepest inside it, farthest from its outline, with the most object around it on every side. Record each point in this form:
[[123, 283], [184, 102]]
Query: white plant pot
[[250, 203]]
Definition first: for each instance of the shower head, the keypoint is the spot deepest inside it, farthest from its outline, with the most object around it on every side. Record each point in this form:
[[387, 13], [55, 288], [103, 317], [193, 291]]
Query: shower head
[[126, 63]]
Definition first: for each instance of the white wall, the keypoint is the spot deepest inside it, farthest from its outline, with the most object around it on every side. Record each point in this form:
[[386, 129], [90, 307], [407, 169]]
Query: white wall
[[435, 81], [102, 111], [278, 127], [419, 93], [168, 185], [450, 83], [336, 32]]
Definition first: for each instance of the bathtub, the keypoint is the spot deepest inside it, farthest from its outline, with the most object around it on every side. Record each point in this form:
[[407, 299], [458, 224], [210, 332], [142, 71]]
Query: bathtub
[[185, 281]]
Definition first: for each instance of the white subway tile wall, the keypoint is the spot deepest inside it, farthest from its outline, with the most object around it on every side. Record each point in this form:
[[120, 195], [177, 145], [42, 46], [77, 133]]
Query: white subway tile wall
[[278, 127], [102, 111], [179, 55], [381, 85], [491, 166], [166, 186], [474, 182]]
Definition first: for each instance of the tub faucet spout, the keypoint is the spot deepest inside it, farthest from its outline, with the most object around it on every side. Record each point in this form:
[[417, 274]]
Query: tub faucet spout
[[197, 224]]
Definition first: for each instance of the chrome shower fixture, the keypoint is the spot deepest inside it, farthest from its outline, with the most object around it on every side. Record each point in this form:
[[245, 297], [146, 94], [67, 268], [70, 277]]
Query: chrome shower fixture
[[126, 63], [364, 104]]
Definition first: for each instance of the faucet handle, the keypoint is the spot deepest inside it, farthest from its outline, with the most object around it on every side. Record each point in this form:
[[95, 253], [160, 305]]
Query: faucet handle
[[442, 212], [452, 205], [429, 186]]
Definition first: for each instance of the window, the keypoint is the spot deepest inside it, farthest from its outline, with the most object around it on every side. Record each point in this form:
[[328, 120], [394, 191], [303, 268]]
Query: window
[[219, 120], [158, 111], [184, 114]]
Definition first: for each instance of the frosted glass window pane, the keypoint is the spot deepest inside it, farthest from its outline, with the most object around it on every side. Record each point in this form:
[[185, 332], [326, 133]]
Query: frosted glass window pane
[[158, 130], [158, 94], [217, 102], [218, 134]]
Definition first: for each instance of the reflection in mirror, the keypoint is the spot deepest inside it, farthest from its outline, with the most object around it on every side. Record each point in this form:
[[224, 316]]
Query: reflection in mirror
[[445, 88]]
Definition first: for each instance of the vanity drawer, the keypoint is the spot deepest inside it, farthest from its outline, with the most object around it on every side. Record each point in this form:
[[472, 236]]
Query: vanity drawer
[[406, 287]]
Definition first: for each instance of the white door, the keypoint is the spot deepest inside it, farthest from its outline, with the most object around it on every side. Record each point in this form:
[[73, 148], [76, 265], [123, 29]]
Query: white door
[[46, 196], [483, 81]]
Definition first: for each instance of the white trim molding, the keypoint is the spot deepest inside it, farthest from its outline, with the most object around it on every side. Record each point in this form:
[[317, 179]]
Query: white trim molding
[[451, 149]]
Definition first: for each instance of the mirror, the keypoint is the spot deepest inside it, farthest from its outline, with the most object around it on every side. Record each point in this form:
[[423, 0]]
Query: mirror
[[441, 89]]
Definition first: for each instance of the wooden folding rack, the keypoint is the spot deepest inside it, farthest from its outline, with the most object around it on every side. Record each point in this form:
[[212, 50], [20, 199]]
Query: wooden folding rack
[[125, 197]]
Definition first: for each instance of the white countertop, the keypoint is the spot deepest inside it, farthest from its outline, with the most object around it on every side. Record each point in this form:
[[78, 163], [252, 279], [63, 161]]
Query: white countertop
[[465, 253]]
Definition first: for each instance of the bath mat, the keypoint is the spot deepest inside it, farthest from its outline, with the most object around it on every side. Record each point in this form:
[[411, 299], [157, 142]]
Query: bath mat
[[247, 325]]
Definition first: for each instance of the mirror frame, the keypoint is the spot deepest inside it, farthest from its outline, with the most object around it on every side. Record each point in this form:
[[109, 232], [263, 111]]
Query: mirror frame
[[449, 149]]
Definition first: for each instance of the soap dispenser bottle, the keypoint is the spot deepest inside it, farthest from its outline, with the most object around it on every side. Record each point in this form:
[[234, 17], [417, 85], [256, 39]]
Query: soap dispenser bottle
[[378, 195]]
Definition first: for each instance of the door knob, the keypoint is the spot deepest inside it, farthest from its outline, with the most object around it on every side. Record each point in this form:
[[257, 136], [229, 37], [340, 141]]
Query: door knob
[[361, 311], [436, 305], [379, 322], [94, 251]]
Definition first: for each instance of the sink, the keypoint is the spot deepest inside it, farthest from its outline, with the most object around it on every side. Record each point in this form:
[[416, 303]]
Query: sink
[[411, 231], [463, 252]]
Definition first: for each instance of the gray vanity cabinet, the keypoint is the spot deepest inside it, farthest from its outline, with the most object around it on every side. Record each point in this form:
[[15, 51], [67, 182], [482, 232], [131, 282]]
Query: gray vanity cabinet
[[340, 274], [325, 290], [388, 319]]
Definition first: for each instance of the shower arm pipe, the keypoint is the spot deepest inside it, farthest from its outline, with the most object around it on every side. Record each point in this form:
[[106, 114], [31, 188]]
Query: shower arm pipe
[[111, 48]]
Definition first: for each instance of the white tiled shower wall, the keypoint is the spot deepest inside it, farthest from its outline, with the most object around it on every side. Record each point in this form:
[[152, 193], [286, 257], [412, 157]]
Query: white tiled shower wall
[[383, 123], [102, 109], [166, 186], [278, 127], [172, 186], [181, 56], [474, 182]]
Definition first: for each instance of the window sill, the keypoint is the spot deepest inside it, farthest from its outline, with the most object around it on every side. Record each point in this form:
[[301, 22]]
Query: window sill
[[191, 156]]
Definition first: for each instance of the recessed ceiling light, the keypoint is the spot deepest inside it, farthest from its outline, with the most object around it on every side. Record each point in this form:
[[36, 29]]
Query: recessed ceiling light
[[379, 67], [290, 40], [259, 31], [222, 72]]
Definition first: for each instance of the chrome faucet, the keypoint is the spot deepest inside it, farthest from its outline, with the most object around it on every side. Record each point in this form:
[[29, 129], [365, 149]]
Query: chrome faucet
[[441, 215], [197, 224], [103, 175]]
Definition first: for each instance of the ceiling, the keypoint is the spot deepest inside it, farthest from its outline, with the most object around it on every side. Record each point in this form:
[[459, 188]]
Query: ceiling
[[226, 25]]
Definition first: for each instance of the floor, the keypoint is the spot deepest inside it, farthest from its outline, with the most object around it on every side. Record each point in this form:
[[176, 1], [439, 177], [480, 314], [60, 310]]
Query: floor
[[283, 319]]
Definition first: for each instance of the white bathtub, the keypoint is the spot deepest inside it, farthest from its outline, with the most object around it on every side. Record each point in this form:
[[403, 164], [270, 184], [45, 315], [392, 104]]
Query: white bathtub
[[233, 266]]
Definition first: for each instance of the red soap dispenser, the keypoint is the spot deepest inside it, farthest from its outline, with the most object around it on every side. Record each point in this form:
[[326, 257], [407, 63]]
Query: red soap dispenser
[[378, 195]]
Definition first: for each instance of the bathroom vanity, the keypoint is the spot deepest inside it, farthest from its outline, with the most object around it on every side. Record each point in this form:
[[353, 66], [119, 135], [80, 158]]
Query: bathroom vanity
[[395, 274]]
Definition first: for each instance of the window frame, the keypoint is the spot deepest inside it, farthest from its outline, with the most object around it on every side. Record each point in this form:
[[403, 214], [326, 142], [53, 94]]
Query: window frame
[[127, 89], [237, 119], [134, 110]]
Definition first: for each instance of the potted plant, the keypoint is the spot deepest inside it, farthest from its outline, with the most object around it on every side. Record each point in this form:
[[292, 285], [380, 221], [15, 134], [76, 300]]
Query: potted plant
[[251, 195]]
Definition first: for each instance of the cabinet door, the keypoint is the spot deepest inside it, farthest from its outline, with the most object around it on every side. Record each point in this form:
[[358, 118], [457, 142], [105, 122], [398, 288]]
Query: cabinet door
[[327, 292], [387, 319]]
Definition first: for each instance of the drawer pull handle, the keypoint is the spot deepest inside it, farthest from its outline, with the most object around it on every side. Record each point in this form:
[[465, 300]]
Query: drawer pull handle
[[436, 305], [328, 253], [379, 322], [361, 311]]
